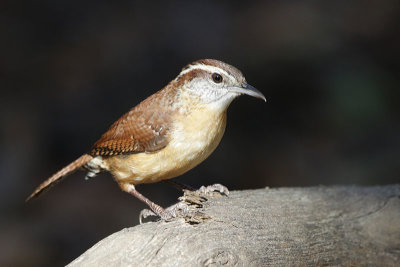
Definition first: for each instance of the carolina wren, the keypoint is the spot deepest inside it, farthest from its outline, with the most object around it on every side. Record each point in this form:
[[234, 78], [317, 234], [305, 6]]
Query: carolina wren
[[168, 133]]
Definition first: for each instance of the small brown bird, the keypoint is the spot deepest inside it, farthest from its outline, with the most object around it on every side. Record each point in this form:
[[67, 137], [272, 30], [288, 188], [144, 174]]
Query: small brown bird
[[168, 133]]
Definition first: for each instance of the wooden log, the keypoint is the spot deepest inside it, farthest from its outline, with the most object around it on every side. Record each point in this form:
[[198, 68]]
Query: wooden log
[[315, 226]]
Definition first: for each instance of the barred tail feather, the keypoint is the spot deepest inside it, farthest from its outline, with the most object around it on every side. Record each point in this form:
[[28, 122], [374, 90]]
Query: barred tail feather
[[81, 161]]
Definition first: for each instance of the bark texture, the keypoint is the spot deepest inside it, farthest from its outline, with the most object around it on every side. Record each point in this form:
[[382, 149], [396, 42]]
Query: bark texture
[[315, 226]]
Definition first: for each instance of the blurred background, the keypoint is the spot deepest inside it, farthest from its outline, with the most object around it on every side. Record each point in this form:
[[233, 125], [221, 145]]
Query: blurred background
[[329, 70]]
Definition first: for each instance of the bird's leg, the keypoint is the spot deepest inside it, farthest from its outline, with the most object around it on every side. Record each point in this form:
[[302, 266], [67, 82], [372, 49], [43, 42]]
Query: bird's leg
[[180, 209], [177, 210], [129, 188], [156, 210]]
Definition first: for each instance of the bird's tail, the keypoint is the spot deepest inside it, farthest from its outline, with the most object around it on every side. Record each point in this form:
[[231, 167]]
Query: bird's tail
[[81, 161]]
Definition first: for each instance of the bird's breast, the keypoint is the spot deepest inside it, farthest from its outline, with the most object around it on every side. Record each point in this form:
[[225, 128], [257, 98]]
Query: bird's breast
[[193, 137], [197, 136]]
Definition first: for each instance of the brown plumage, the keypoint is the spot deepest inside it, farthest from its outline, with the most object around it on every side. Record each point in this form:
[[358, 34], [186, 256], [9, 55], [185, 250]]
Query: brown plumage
[[143, 129]]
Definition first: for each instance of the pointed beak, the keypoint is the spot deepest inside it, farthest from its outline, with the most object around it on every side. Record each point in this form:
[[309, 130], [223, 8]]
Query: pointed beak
[[247, 89]]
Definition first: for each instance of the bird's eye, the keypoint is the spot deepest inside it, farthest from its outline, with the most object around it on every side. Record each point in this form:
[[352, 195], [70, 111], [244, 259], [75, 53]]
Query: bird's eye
[[217, 78]]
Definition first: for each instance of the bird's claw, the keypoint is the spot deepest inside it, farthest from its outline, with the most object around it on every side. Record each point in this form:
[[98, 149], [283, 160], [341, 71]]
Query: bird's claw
[[179, 209], [144, 214]]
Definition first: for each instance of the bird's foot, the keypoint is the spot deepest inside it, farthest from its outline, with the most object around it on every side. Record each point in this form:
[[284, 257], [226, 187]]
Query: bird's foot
[[188, 207], [179, 209]]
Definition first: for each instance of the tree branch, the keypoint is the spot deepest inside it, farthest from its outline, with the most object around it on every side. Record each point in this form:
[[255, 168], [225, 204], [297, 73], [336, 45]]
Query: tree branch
[[341, 225]]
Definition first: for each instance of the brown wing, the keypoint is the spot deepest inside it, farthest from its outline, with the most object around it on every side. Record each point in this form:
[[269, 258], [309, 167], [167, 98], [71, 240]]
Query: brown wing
[[143, 129], [135, 132]]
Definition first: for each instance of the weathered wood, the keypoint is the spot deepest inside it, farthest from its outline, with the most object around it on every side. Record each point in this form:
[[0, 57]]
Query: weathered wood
[[341, 225]]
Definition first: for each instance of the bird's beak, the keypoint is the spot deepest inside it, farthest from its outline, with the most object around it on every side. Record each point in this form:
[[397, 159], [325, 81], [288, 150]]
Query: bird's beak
[[247, 89]]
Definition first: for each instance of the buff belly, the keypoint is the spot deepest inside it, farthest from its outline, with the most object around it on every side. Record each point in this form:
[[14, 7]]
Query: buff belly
[[188, 146]]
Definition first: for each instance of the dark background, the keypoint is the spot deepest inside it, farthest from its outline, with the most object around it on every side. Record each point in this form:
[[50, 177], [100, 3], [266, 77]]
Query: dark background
[[329, 70]]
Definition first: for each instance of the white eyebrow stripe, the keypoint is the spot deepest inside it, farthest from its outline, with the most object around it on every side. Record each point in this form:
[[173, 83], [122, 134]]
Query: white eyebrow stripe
[[207, 68]]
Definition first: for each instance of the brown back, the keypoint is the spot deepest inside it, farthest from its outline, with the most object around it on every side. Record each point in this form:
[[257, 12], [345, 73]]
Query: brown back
[[143, 129]]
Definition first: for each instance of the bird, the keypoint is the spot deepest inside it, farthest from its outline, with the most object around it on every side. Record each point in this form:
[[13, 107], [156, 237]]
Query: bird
[[168, 133]]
